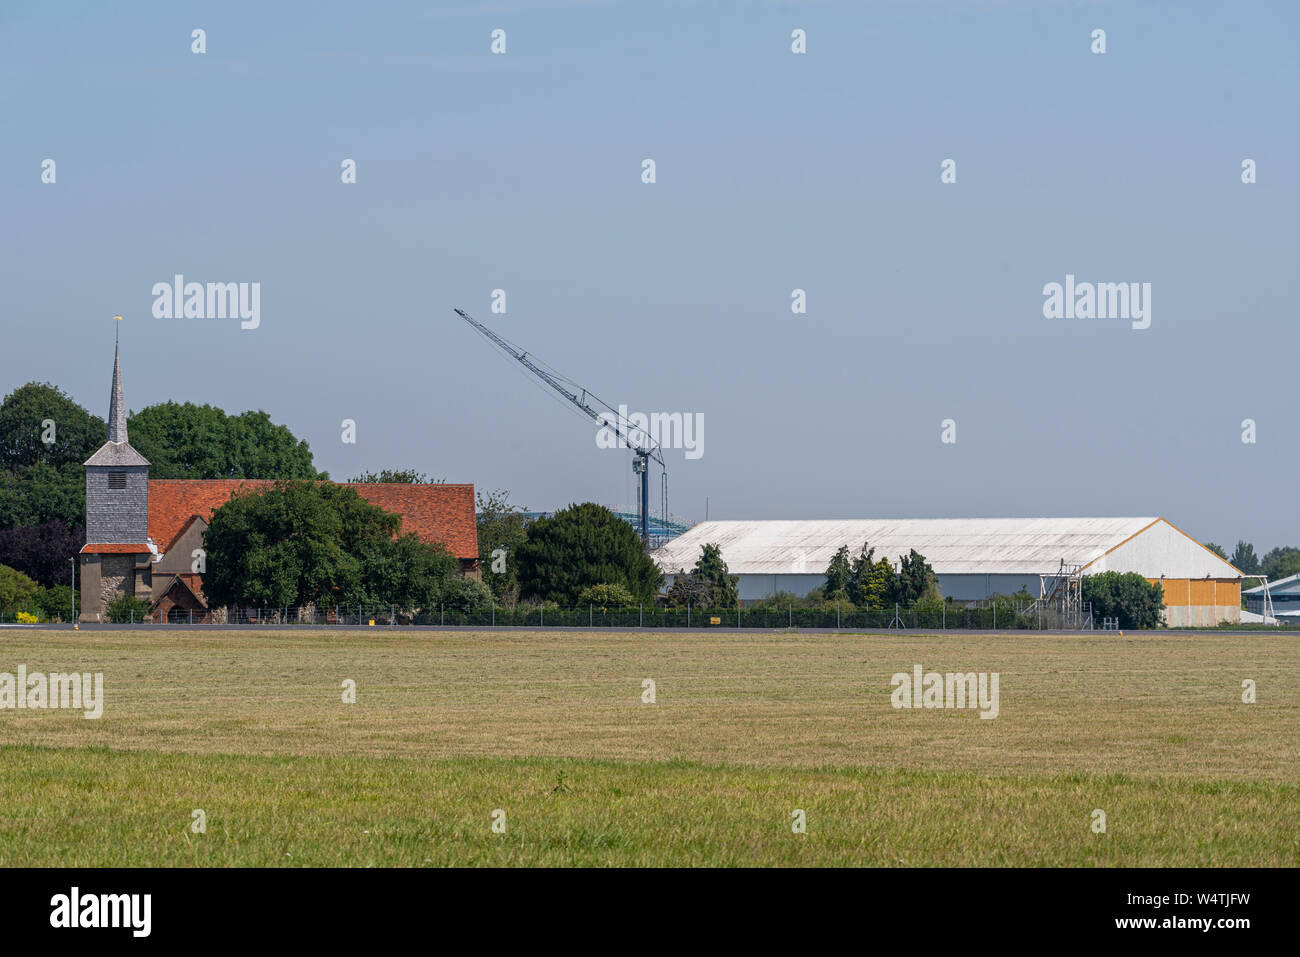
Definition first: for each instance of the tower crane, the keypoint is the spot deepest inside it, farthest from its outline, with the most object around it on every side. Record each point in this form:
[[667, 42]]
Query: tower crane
[[644, 448]]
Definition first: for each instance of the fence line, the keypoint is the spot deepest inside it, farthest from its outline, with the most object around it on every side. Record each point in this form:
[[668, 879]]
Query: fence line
[[984, 615]]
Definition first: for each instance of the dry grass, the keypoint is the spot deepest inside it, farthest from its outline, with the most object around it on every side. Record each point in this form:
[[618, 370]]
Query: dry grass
[[746, 727]]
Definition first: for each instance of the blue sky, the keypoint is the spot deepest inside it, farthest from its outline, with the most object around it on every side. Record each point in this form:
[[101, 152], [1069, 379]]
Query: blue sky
[[775, 171]]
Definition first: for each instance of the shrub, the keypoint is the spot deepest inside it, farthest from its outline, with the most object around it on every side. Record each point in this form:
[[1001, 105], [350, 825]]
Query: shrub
[[16, 589], [126, 608], [466, 594], [606, 596], [1129, 597]]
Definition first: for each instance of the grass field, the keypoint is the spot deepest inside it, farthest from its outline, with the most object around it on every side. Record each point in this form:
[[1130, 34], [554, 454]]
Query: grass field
[[746, 728]]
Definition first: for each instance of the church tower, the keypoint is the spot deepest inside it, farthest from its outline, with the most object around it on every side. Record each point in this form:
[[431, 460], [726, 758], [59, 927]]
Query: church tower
[[116, 558]]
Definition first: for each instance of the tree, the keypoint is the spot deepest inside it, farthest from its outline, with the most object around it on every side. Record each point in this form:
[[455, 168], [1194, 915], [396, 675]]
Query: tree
[[187, 441], [502, 528], [75, 435], [916, 580], [44, 493], [301, 542], [712, 571], [466, 594], [15, 588], [42, 551], [689, 590], [879, 586], [1281, 562], [44, 439], [397, 477], [839, 576], [405, 572], [1244, 558], [1127, 596], [57, 602], [583, 545], [1217, 549]]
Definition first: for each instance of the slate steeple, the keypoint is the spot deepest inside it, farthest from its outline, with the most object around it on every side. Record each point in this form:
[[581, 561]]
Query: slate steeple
[[117, 450]]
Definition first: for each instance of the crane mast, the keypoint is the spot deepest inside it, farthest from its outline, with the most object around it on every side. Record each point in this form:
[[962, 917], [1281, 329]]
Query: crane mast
[[644, 449]]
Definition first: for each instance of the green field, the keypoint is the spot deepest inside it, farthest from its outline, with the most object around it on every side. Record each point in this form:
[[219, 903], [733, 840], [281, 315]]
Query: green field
[[551, 729]]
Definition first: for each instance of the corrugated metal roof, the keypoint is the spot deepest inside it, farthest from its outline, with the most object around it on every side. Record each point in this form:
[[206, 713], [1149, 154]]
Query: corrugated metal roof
[[953, 546], [1286, 584]]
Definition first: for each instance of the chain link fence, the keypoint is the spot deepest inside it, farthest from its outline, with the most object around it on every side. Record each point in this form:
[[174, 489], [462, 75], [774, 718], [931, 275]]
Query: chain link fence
[[943, 616]]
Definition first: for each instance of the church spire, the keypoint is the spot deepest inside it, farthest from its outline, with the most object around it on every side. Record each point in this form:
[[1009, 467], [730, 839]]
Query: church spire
[[117, 402]]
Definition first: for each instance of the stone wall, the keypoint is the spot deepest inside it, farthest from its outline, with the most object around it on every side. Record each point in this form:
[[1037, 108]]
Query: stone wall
[[116, 577]]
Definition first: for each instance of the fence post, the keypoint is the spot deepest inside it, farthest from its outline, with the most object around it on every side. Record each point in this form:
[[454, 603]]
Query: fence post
[[688, 614], [791, 609], [589, 614], [541, 614], [943, 616], [837, 616], [442, 614], [995, 616], [133, 616], [640, 615]]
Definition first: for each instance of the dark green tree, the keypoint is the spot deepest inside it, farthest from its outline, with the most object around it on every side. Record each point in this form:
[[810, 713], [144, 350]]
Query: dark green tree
[[1217, 549], [76, 434], [1127, 596], [839, 576], [916, 580], [44, 439], [711, 570], [1281, 562], [43, 493], [299, 542], [1244, 558], [583, 545], [187, 441]]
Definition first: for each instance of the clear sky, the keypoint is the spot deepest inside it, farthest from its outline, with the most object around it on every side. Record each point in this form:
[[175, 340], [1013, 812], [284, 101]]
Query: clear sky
[[774, 171]]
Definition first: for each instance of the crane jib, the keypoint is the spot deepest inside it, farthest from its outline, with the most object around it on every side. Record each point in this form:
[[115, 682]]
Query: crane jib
[[642, 451]]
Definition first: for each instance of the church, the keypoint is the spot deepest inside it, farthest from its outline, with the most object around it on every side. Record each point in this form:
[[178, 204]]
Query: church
[[144, 537]]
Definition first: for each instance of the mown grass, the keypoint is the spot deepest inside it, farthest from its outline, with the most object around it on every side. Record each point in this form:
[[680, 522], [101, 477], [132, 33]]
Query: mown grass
[[551, 728]]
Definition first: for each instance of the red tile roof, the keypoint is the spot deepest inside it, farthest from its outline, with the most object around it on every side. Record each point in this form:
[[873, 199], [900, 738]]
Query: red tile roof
[[437, 513], [113, 549]]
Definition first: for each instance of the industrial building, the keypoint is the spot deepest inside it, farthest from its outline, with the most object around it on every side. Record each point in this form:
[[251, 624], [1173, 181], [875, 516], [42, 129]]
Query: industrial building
[[1279, 599], [975, 558]]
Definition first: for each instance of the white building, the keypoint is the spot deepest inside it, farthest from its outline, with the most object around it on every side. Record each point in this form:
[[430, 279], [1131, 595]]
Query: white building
[[1284, 594], [975, 558]]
